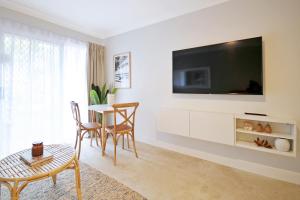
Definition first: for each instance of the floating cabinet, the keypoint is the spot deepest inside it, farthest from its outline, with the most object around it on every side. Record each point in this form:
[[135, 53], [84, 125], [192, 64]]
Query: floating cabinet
[[213, 127], [230, 129], [175, 121]]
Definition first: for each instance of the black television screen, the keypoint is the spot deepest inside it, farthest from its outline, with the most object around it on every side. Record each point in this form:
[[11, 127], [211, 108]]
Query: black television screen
[[227, 68]]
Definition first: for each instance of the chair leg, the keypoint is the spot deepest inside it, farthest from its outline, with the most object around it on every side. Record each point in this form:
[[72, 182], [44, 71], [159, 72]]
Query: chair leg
[[115, 148], [100, 136], [91, 135], [94, 117], [77, 179], [133, 142], [105, 137], [128, 141], [122, 141], [96, 137], [54, 179]]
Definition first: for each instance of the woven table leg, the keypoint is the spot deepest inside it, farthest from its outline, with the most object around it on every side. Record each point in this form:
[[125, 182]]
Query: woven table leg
[[14, 191], [54, 179]]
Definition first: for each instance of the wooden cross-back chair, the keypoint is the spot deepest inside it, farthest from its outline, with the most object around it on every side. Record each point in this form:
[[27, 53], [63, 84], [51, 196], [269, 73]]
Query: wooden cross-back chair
[[83, 128], [124, 119]]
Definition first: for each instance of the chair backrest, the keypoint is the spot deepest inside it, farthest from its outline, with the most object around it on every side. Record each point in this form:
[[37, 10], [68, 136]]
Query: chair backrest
[[76, 112], [126, 114]]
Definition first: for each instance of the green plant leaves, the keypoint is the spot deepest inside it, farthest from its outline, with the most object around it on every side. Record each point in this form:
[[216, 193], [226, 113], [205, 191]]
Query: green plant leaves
[[114, 90], [101, 93], [94, 97]]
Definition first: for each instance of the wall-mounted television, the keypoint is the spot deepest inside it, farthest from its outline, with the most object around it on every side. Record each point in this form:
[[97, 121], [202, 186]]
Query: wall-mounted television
[[228, 68]]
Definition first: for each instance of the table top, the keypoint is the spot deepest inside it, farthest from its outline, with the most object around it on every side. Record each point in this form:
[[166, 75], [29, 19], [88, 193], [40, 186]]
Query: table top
[[13, 169], [101, 108]]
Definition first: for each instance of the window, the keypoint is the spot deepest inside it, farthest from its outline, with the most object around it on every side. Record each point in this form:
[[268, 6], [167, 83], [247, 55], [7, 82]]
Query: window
[[40, 73]]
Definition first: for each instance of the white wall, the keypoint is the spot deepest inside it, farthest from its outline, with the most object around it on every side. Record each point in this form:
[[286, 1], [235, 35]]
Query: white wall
[[151, 47], [32, 21]]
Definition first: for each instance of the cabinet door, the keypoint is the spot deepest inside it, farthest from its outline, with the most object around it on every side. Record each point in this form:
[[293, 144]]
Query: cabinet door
[[175, 121], [214, 127]]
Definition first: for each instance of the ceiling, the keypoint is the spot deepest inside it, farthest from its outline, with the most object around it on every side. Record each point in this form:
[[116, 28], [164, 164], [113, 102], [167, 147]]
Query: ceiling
[[106, 18]]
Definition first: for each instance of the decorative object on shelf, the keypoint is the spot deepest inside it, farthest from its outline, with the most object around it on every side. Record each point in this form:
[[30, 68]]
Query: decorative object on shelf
[[282, 144], [259, 128], [258, 142], [37, 149], [248, 126], [122, 70], [273, 128], [263, 143], [268, 128]]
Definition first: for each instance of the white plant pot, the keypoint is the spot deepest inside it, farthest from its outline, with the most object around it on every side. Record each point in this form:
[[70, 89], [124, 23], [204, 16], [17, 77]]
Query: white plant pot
[[282, 144], [111, 99]]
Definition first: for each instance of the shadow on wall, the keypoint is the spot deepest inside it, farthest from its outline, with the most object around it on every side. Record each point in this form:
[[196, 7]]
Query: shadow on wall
[[221, 97]]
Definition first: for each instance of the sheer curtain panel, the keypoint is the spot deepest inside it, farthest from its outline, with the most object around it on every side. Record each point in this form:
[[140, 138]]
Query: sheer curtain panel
[[40, 73]]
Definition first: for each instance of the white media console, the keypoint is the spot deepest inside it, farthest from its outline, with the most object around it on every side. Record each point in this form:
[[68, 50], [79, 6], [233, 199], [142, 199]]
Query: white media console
[[226, 128]]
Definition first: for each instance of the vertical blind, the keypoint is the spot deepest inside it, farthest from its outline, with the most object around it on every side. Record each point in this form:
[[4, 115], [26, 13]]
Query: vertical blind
[[40, 73]]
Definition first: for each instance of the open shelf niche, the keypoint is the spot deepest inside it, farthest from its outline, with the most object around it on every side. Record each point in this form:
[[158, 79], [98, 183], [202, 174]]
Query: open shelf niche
[[285, 129]]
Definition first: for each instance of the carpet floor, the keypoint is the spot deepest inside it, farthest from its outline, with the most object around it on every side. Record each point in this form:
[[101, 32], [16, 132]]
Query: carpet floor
[[94, 185]]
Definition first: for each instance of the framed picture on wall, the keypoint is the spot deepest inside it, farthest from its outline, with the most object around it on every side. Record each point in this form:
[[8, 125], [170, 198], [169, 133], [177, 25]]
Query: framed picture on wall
[[122, 70]]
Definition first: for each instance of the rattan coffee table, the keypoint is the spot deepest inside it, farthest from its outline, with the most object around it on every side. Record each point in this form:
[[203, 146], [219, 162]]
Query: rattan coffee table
[[16, 175]]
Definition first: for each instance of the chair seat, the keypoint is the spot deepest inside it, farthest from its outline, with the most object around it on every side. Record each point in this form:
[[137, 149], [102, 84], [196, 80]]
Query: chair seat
[[91, 126], [120, 128]]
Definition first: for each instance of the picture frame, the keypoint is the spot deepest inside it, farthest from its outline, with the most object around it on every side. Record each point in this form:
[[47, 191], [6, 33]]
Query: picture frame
[[122, 70]]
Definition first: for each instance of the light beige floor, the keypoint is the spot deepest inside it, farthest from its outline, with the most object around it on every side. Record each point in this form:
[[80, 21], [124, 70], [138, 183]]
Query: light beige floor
[[161, 174]]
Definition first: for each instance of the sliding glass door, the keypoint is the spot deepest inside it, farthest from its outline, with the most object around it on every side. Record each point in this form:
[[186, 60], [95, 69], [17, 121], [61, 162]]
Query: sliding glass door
[[40, 73]]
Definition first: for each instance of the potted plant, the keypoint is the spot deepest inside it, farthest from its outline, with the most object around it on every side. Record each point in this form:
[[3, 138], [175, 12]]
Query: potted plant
[[111, 96], [106, 95], [102, 95]]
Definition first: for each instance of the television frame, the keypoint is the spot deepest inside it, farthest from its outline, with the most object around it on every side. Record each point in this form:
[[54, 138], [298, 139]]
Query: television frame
[[229, 94]]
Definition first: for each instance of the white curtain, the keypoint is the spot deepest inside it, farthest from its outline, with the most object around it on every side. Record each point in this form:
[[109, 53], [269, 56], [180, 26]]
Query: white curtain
[[40, 73]]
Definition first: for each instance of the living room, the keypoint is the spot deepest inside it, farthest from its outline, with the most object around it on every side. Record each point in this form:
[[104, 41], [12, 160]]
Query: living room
[[189, 144]]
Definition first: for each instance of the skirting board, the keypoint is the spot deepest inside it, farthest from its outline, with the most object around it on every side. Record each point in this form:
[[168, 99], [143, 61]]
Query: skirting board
[[263, 170]]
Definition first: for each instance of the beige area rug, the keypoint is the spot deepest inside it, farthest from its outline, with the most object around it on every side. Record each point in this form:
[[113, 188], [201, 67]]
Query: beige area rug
[[94, 185]]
